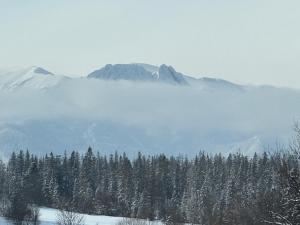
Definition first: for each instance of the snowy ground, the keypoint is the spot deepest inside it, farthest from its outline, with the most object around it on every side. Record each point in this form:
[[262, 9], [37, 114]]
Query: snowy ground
[[49, 217]]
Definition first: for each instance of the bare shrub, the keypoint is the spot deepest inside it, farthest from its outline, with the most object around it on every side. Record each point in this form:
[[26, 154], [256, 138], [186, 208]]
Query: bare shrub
[[33, 216], [128, 221], [295, 144], [4, 206], [69, 218]]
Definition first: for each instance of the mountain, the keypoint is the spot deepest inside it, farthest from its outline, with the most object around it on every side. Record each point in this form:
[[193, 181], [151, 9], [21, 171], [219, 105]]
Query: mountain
[[40, 78], [163, 74], [148, 67], [151, 108], [122, 72], [139, 72], [33, 77], [108, 136], [212, 84], [168, 74]]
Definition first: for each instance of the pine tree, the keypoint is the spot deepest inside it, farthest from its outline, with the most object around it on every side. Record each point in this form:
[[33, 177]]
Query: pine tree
[[33, 184], [144, 206]]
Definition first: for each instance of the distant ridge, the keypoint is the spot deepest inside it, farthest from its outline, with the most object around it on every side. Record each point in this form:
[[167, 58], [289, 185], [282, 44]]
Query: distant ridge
[[38, 77], [157, 109], [139, 72]]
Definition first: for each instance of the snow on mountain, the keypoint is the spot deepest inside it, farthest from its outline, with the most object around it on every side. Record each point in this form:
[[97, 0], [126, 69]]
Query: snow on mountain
[[149, 67], [33, 77], [39, 78], [203, 83], [139, 72], [58, 135], [163, 74], [248, 146], [122, 72], [184, 116], [168, 74], [213, 84]]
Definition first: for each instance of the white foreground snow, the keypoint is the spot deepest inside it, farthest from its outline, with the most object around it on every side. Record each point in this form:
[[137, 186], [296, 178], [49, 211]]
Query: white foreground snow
[[49, 217]]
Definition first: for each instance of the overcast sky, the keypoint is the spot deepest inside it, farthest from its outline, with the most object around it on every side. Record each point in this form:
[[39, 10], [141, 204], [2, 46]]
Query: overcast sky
[[250, 41]]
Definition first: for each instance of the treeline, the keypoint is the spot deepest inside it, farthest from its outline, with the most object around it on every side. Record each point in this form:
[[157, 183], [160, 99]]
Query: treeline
[[208, 189]]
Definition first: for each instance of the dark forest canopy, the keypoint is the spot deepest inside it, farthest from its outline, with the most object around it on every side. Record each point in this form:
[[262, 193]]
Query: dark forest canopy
[[208, 189]]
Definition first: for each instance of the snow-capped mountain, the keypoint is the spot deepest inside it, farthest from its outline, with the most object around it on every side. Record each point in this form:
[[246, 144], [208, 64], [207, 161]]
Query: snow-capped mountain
[[212, 84], [107, 136], [164, 74], [40, 78], [168, 74], [122, 72], [248, 146], [33, 77], [139, 72], [151, 108]]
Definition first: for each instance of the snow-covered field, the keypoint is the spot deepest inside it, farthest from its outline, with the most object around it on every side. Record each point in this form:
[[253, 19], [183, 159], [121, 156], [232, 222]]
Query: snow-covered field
[[49, 217]]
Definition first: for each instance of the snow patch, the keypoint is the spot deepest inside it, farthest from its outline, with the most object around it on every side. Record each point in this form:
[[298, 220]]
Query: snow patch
[[48, 216]]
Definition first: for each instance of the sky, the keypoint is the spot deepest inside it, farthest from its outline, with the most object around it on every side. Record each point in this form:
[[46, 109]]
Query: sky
[[248, 42]]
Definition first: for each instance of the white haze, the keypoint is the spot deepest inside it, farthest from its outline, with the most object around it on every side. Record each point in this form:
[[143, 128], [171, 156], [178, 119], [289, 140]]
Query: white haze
[[159, 109]]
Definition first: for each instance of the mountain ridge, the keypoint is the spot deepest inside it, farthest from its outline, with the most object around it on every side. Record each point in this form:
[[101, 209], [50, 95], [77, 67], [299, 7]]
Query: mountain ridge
[[157, 109], [38, 77], [139, 72], [32, 77]]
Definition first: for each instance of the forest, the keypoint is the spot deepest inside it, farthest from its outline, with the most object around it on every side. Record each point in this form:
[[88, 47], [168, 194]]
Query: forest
[[208, 189]]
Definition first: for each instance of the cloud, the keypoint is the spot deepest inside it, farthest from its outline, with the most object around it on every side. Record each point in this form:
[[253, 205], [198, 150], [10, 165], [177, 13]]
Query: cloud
[[159, 108]]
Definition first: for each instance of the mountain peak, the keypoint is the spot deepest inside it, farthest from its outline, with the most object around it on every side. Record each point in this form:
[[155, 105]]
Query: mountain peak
[[148, 67], [33, 77], [168, 74], [139, 72], [39, 70], [122, 72]]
